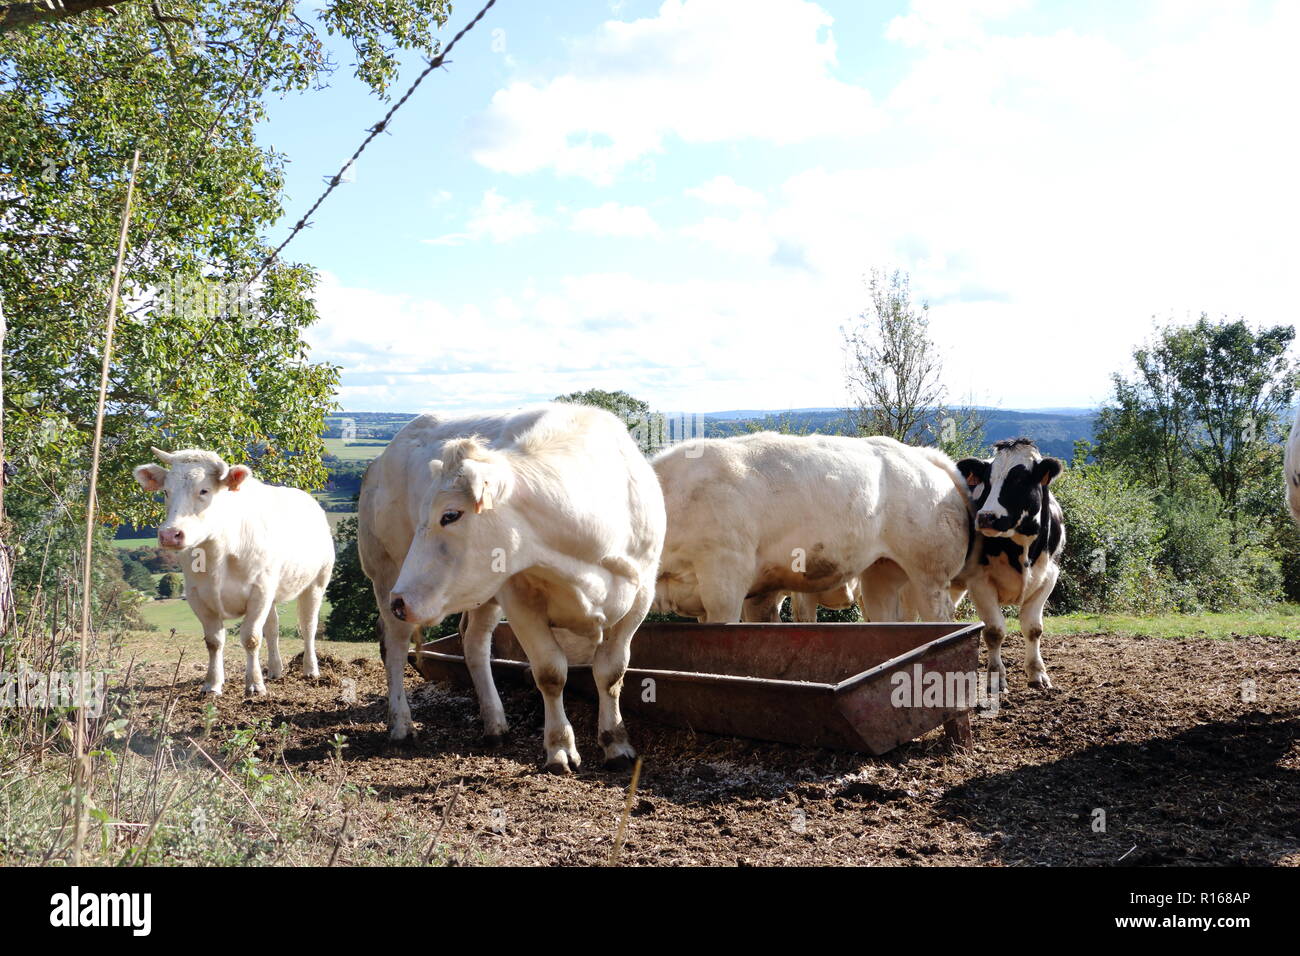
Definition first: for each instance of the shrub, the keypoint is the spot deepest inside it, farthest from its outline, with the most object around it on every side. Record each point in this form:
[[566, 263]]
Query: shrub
[[353, 615], [171, 585], [1113, 538]]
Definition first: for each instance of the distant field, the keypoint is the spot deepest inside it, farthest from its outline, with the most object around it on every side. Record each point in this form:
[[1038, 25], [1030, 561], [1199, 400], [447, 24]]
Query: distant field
[[128, 544], [365, 449]]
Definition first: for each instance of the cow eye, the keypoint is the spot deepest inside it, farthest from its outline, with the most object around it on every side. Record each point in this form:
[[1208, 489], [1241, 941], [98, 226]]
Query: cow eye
[[449, 516], [203, 491]]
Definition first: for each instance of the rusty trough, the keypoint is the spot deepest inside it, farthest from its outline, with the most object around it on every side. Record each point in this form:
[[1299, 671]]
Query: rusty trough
[[823, 685]]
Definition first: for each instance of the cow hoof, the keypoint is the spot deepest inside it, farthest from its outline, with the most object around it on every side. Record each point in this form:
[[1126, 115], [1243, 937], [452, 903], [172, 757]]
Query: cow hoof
[[210, 692], [1041, 683], [255, 691], [619, 764], [493, 741], [558, 767]]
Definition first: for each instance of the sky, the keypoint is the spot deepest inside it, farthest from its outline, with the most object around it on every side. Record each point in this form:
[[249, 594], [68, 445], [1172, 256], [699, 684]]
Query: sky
[[681, 198]]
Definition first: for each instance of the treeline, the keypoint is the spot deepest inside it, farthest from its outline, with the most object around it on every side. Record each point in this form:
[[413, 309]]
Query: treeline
[[1177, 505]]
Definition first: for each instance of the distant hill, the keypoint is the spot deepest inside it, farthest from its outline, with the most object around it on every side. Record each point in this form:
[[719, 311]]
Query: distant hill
[[1054, 429]]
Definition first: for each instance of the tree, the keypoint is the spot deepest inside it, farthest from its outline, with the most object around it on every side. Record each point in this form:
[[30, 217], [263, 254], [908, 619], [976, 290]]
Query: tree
[[632, 410], [171, 585], [894, 373], [135, 573], [200, 358], [1208, 401], [649, 429], [353, 615]]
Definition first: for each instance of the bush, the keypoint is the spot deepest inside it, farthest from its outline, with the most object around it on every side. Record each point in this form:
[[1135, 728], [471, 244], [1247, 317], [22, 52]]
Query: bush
[[1112, 543], [171, 585], [135, 573], [1209, 569], [353, 615]]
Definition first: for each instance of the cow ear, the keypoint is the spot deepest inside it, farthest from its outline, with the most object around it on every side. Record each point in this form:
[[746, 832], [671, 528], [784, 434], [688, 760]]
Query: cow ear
[[236, 475], [150, 477], [1045, 470], [974, 470], [488, 482]]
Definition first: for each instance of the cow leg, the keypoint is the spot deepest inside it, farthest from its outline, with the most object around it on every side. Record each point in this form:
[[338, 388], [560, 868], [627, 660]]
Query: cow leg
[[271, 631], [397, 644], [985, 598], [763, 610], [608, 666], [214, 636], [550, 669], [803, 608], [1031, 625], [880, 585], [476, 629], [260, 605], [722, 587], [309, 602]]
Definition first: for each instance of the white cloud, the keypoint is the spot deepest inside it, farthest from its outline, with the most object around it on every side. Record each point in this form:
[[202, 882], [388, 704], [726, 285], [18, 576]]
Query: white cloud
[[496, 219], [725, 191], [703, 71], [613, 219], [1048, 191]]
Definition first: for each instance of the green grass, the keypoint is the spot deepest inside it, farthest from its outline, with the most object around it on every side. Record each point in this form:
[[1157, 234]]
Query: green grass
[[161, 647], [364, 449], [1280, 621], [128, 544]]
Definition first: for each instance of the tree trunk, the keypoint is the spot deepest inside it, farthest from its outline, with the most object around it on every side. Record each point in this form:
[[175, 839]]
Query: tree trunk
[[6, 554]]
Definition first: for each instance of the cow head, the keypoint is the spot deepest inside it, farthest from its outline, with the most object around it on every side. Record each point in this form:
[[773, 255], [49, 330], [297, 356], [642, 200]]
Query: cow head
[[1007, 490], [461, 553], [195, 484]]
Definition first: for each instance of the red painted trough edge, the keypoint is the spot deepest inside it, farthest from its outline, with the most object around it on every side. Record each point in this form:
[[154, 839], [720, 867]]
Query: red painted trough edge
[[856, 712]]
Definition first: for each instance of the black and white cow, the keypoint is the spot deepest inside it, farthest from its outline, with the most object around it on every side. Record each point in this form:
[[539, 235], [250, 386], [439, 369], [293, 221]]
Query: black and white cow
[[1019, 540]]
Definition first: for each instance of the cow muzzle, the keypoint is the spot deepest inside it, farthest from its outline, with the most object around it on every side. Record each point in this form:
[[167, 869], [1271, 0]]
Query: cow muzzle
[[398, 606], [992, 524], [173, 538]]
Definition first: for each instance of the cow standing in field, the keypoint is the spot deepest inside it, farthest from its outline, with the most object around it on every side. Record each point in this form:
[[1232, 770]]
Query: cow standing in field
[[763, 513], [552, 514], [1291, 468], [1020, 537], [250, 545]]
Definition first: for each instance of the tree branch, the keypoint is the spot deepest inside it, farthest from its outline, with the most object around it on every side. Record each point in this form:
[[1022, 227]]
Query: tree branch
[[21, 16]]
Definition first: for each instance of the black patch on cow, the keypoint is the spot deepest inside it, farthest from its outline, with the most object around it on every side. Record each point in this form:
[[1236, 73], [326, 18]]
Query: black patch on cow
[[1031, 509]]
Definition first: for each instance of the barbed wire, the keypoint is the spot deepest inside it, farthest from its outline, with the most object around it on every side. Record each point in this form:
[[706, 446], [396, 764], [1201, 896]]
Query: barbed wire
[[337, 178]]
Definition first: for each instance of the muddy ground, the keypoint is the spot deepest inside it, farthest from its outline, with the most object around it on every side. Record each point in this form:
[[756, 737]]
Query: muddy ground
[[1153, 732]]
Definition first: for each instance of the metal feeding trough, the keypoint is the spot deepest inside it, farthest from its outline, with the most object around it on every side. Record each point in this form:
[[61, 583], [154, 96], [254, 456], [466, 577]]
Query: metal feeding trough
[[823, 685]]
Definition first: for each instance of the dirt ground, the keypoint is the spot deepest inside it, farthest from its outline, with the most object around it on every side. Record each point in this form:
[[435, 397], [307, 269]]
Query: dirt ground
[[1155, 733]]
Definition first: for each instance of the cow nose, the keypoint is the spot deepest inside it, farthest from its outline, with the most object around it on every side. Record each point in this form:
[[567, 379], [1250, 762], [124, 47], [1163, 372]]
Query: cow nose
[[171, 537], [985, 519], [398, 607]]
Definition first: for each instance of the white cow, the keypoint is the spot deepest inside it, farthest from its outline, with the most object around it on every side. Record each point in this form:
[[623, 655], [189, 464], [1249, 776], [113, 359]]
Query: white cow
[[552, 514], [763, 513], [249, 546], [1292, 468]]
